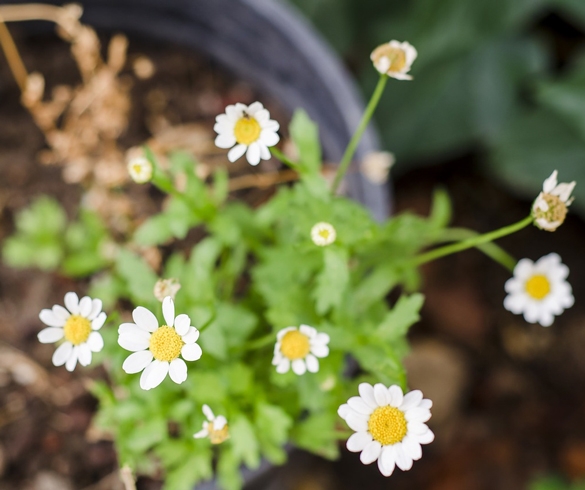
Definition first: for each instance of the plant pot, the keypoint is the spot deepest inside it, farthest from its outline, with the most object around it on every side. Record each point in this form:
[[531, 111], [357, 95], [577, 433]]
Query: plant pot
[[267, 44]]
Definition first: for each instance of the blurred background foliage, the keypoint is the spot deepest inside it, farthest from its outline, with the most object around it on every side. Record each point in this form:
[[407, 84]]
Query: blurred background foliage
[[500, 81]]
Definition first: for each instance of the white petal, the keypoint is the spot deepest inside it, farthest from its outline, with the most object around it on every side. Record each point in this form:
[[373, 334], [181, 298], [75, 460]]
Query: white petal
[[254, 108], [61, 314], [96, 308], [236, 152], [49, 318], [426, 438], [396, 395], [565, 190], [367, 393], [320, 339], [50, 335], [356, 422], [145, 375], [411, 448], [208, 413], [262, 116], [182, 324], [387, 460], [417, 415], [133, 330], [99, 321], [133, 344], [85, 306], [381, 394], [312, 363], [343, 410], [225, 140], [219, 423], [299, 367], [264, 151], [308, 331], [283, 366], [191, 336], [550, 183], [426, 403], [320, 350], [72, 304], [145, 319], [191, 352], [253, 154], [168, 308], [371, 452], [84, 354], [515, 303], [411, 400], [201, 434], [157, 373], [62, 353], [359, 405], [358, 441], [95, 342], [403, 461], [136, 362], [269, 137], [178, 371], [416, 428], [72, 361]]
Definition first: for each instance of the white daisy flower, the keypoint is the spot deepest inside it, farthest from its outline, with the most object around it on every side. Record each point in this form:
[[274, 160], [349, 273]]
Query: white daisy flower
[[539, 290], [389, 426], [156, 349], [216, 428], [323, 234], [140, 170], [78, 325], [249, 130], [394, 59], [300, 347], [550, 207]]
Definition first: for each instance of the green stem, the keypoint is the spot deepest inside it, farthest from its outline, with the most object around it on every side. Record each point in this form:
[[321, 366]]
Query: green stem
[[283, 158], [472, 242], [495, 252], [357, 136]]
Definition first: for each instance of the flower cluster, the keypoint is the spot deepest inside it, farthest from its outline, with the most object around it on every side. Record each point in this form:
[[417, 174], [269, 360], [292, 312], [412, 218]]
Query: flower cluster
[[390, 426]]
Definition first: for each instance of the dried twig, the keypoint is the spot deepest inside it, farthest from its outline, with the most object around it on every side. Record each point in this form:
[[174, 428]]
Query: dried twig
[[262, 180]]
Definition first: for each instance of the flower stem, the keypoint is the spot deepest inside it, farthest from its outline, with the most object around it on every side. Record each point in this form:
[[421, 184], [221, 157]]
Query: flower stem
[[357, 136], [472, 242], [495, 252], [283, 158]]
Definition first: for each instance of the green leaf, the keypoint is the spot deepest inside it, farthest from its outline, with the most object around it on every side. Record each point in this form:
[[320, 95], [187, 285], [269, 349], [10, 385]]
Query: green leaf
[[244, 442], [146, 435], [305, 135], [220, 186], [374, 287], [139, 277], [194, 468], [154, 231], [332, 281], [404, 314], [317, 435]]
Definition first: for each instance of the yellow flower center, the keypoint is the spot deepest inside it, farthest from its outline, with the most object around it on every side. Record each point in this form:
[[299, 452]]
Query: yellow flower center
[[166, 344], [137, 168], [324, 233], [396, 57], [538, 286], [557, 209], [247, 130], [294, 345], [387, 425], [217, 436], [77, 329]]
